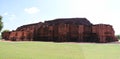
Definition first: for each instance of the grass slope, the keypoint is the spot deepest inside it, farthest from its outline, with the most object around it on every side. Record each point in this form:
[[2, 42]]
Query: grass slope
[[49, 50]]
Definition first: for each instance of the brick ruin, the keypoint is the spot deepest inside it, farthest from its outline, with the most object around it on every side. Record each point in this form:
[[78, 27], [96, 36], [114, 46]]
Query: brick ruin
[[63, 30]]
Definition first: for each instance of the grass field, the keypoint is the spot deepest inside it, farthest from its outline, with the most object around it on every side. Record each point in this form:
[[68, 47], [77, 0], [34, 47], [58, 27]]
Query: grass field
[[50, 50]]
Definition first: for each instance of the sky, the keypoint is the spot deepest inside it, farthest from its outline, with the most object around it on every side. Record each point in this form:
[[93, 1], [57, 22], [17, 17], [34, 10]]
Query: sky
[[16, 13]]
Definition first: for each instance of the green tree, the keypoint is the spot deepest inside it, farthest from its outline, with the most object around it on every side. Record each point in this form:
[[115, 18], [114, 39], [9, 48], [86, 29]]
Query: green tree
[[118, 36], [1, 23], [5, 31]]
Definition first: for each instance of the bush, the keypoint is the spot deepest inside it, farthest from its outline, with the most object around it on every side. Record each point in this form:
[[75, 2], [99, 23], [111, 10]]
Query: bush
[[118, 36]]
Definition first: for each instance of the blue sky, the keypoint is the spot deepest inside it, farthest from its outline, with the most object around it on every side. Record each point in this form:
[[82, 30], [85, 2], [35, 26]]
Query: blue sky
[[20, 12]]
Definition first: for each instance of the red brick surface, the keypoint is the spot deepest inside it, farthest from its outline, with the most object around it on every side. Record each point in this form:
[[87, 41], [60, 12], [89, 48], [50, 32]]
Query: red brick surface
[[63, 30]]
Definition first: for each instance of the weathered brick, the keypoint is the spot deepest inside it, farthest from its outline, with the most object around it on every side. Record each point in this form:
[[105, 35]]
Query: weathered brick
[[63, 30]]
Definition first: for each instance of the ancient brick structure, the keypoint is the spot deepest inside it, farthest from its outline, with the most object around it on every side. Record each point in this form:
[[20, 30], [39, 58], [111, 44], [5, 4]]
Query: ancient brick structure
[[63, 30]]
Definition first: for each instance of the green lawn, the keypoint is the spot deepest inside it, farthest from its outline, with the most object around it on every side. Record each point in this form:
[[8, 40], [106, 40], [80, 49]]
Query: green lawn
[[50, 50]]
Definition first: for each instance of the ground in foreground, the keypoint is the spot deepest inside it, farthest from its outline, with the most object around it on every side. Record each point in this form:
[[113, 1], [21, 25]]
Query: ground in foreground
[[50, 50]]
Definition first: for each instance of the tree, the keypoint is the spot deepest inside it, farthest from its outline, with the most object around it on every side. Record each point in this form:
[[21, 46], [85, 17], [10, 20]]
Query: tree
[[1, 23], [5, 31], [118, 36]]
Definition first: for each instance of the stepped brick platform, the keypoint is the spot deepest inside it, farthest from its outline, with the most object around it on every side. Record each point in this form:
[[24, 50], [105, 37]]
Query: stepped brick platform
[[63, 30]]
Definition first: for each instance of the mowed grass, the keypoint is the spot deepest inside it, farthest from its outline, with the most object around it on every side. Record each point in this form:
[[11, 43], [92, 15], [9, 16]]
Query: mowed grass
[[51, 50]]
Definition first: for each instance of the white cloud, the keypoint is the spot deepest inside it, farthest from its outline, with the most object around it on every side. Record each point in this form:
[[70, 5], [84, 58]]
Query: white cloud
[[31, 10], [10, 16], [5, 13]]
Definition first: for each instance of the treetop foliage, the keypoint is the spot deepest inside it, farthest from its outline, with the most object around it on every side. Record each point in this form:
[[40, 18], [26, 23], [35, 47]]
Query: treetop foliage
[[1, 23]]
